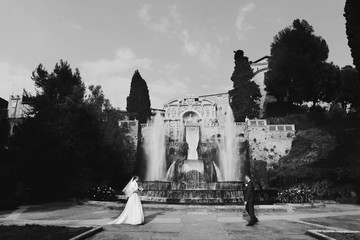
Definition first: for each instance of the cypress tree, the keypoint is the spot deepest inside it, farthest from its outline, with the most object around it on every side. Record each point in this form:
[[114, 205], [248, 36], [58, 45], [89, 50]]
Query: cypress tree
[[352, 17], [138, 101], [245, 95]]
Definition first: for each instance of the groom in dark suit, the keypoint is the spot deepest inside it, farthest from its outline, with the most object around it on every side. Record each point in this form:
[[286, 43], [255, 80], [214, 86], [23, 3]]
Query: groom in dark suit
[[249, 200]]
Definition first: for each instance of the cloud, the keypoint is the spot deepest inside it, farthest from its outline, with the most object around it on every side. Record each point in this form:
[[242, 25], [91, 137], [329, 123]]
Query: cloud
[[241, 26], [13, 79], [279, 21], [114, 76], [123, 61], [204, 51], [76, 26], [164, 90], [222, 39], [191, 48], [69, 23], [174, 13], [162, 25]]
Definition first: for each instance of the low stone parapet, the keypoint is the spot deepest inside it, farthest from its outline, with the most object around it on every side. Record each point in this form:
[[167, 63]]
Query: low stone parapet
[[165, 185], [203, 194]]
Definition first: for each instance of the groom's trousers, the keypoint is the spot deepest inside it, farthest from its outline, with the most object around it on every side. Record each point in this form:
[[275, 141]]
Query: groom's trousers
[[250, 211]]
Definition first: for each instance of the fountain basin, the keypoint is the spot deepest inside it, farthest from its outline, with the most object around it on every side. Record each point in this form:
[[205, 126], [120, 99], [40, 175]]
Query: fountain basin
[[166, 185], [192, 165], [195, 174], [172, 192], [200, 194], [189, 201]]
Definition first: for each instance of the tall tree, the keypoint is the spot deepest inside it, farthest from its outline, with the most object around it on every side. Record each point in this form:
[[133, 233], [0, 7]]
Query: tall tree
[[245, 95], [71, 141], [138, 100], [97, 101], [352, 17], [295, 64], [329, 83], [117, 150], [350, 87], [59, 138]]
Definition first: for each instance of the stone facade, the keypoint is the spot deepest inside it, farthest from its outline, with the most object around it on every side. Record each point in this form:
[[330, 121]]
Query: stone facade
[[207, 112], [266, 142], [190, 111], [17, 110], [133, 126]]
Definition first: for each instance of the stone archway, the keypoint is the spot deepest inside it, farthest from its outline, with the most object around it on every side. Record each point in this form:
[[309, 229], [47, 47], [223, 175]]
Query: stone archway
[[191, 117]]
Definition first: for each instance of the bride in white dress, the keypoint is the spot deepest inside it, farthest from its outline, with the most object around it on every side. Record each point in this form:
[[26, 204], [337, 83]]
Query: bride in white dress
[[133, 212]]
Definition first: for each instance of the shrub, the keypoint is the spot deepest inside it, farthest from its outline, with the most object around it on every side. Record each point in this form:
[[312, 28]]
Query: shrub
[[325, 190], [266, 196], [102, 193], [299, 194], [322, 190]]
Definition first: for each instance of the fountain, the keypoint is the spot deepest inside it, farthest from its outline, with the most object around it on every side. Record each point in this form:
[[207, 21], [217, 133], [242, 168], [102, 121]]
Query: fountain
[[196, 153], [201, 156]]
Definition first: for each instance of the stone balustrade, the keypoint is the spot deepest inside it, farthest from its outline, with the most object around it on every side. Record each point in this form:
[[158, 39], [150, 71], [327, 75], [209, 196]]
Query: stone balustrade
[[290, 127]]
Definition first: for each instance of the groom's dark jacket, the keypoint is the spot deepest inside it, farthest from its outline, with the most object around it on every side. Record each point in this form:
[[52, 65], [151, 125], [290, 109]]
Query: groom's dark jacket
[[249, 192]]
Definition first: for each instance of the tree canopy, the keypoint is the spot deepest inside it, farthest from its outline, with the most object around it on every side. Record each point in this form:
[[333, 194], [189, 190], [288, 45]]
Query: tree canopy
[[50, 143], [329, 83], [138, 100], [297, 57], [245, 95], [66, 146], [339, 86], [117, 151], [352, 17]]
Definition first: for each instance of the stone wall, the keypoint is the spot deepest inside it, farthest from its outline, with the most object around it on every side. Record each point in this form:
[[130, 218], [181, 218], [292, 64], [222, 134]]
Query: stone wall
[[133, 127], [270, 142], [17, 111]]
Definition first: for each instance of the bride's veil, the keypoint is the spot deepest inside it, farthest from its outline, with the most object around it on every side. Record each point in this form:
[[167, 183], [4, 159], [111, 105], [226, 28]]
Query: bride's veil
[[129, 188]]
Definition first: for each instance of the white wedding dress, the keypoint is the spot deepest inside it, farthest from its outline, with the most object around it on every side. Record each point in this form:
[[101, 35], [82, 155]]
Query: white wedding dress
[[133, 212]]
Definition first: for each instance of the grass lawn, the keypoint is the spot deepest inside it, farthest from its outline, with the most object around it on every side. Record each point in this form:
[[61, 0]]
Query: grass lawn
[[343, 236], [39, 232]]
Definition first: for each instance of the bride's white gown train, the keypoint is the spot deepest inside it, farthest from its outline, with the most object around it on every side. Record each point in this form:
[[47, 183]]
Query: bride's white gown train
[[133, 212]]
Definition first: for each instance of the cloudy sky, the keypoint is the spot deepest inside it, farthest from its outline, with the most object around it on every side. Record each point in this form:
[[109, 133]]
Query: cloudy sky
[[179, 47]]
